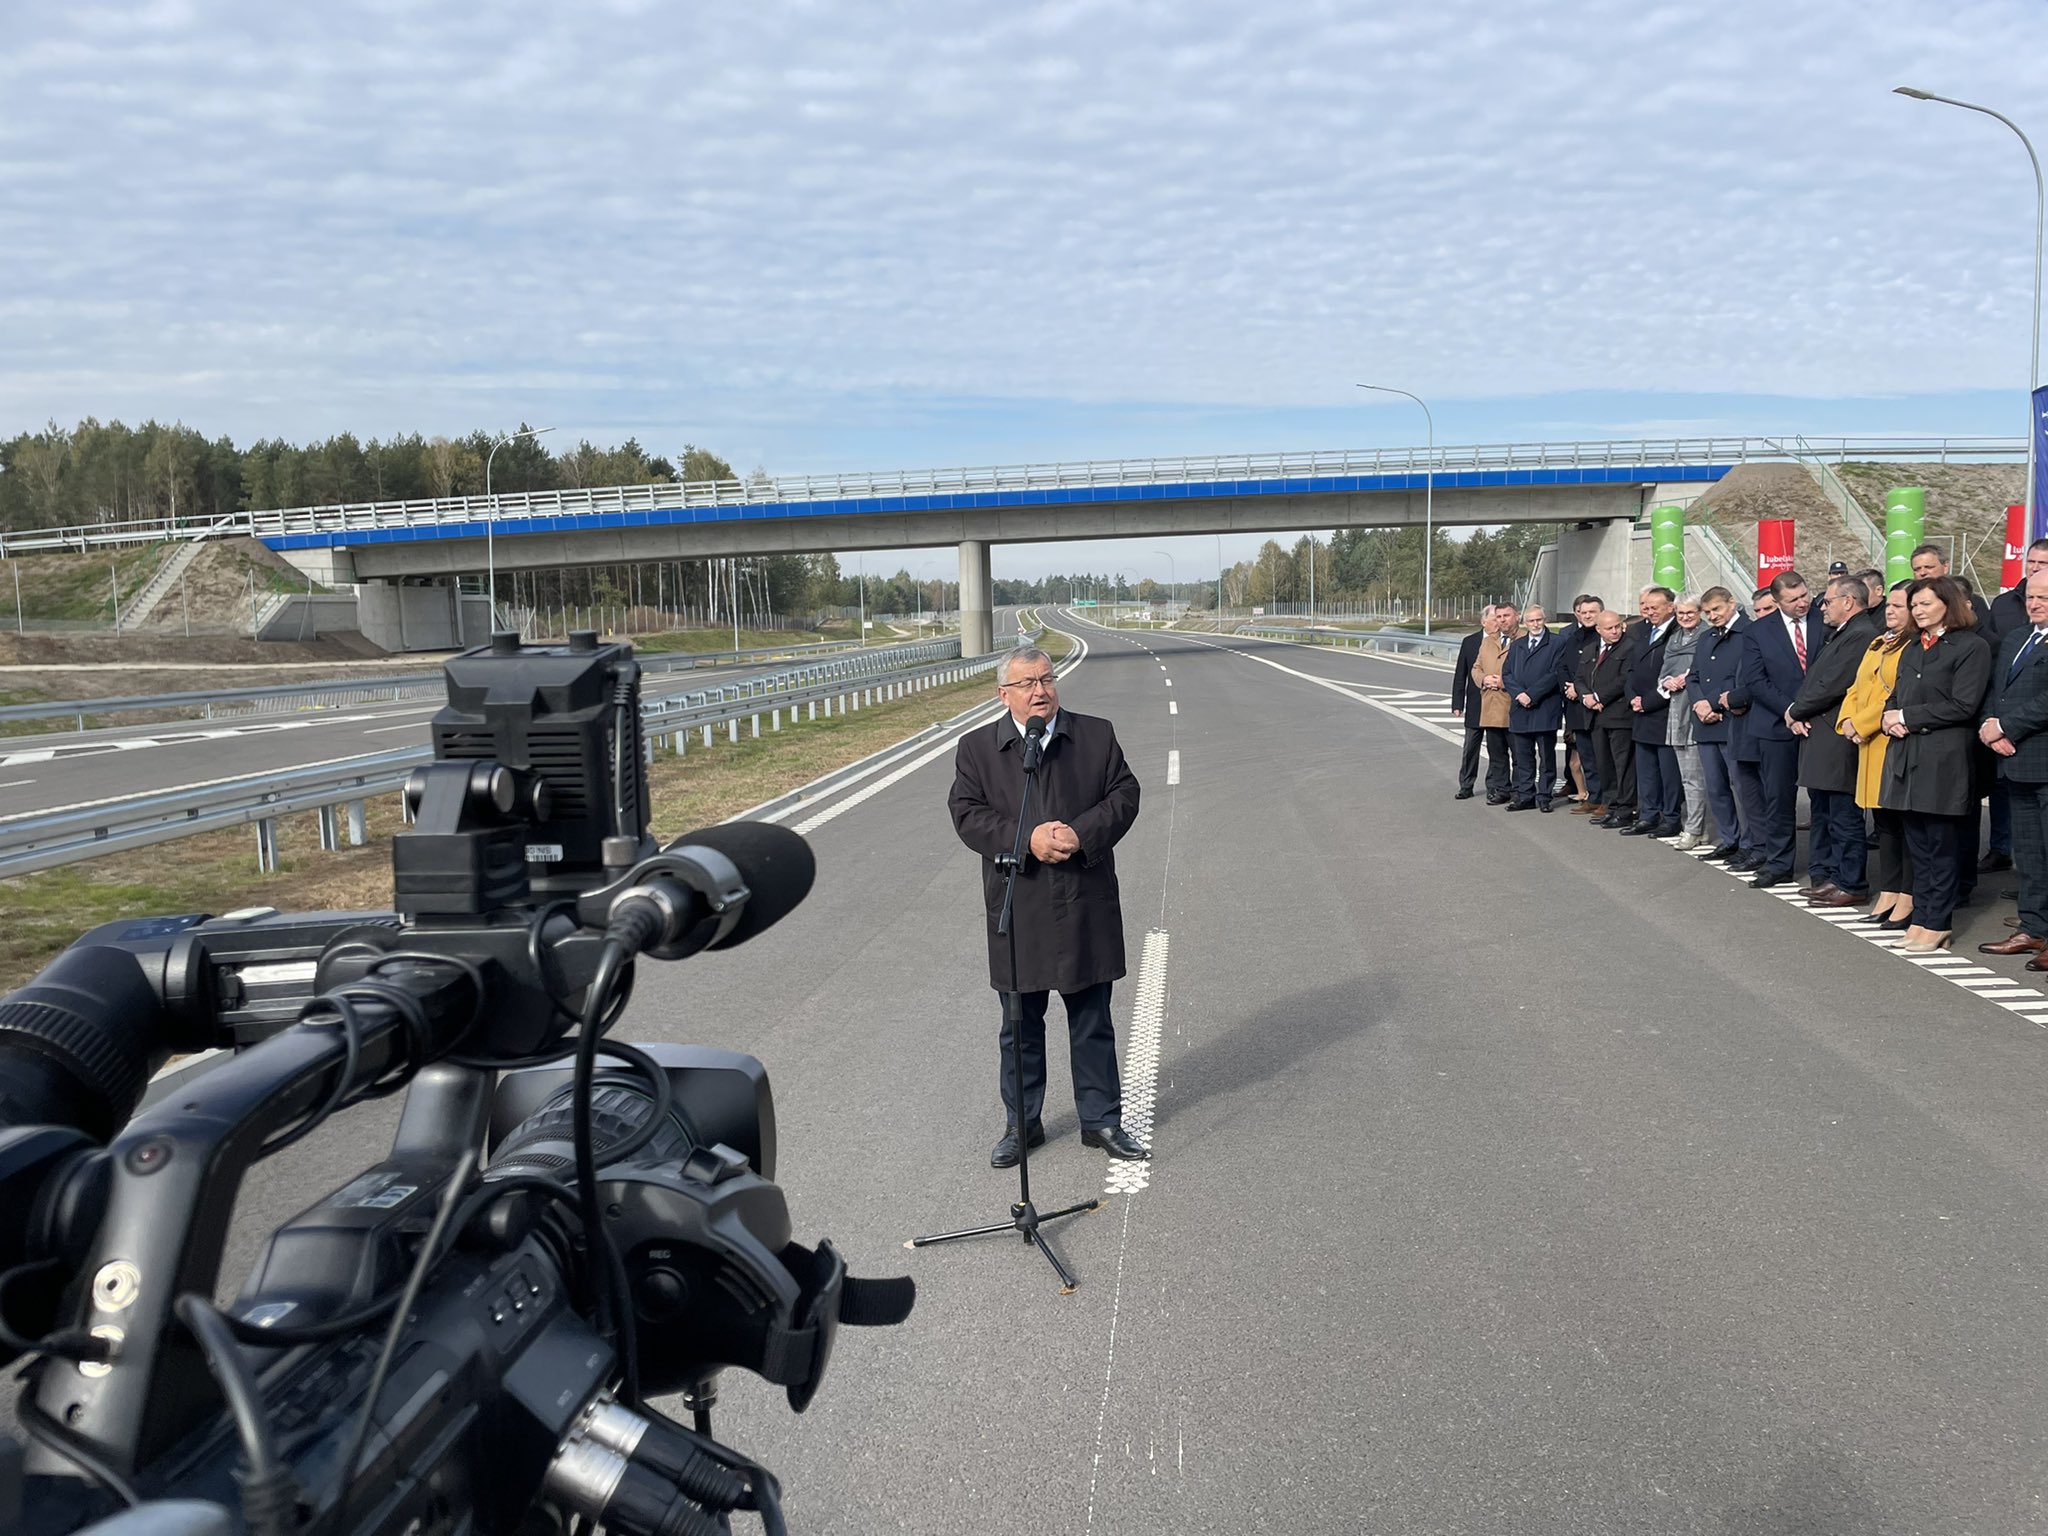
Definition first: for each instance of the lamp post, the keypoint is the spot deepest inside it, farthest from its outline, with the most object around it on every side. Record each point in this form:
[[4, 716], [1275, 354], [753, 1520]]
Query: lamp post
[[1172, 574], [1219, 583], [2034, 333], [491, 516], [1428, 497]]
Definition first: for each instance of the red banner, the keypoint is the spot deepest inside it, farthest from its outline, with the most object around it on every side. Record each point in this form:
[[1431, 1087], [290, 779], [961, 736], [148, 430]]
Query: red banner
[[1773, 548], [2015, 566]]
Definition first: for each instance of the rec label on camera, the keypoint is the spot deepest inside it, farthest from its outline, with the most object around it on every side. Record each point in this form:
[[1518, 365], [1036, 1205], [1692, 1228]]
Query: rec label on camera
[[543, 853]]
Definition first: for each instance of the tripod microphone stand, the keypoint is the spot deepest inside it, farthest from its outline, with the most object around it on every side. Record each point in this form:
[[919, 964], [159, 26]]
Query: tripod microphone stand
[[1025, 1218]]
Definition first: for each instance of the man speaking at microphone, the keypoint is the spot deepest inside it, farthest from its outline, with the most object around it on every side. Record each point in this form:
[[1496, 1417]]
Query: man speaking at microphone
[[1067, 920]]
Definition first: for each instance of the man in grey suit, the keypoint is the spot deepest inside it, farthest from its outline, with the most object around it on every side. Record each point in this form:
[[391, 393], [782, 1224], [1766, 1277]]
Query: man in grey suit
[[2015, 728]]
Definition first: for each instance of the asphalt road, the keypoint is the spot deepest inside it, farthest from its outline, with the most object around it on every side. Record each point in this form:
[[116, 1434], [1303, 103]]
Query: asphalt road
[[51, 773], [1509, 1177]]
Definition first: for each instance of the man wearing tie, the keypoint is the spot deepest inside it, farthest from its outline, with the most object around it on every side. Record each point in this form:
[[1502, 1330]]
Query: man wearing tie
[[1716, 725], [1776, 653], [1531, 680], [1603, 688], [1656, 791], [1836, 847], [2015, 728]]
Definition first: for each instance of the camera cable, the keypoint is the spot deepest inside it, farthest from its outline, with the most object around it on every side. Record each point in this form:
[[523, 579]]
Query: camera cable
[[608, 1274], [413, 1285], [270, 1496]]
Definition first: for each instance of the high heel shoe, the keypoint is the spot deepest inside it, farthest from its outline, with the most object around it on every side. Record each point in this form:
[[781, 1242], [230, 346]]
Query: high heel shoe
[[1925, 941], [1889, 904], [1899, 922]]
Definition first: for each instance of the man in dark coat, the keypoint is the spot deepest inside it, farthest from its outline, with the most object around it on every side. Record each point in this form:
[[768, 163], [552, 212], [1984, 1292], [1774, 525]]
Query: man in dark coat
[[2009, 608], [1067, 920], [1657, 786], [1716, 664], [1465, 700], [1580, 642], [2015, 728], [1837, 845], [1776, 653], [1534, 688], [1603, 687]]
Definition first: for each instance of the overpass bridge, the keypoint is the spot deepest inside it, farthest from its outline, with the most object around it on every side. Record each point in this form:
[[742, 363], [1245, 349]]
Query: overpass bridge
[[1597, 489]]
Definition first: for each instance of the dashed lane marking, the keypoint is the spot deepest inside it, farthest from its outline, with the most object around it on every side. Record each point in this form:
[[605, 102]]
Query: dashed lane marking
[[1173, 767], [1172, 708]]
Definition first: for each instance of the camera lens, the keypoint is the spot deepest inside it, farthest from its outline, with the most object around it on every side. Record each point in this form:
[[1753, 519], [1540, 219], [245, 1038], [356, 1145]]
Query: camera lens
[[545, 1143]]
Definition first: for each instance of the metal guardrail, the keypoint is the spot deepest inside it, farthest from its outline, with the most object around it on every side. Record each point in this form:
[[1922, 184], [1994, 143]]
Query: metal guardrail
[[31, 843], [1388, 641], [1444, 460], [294, 696]]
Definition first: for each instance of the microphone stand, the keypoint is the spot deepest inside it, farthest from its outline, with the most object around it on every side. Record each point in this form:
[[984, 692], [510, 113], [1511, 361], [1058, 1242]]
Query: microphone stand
[[1025, 1218]]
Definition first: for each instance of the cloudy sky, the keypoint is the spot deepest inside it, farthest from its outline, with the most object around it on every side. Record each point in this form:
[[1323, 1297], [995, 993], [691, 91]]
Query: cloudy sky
[[815, 237]]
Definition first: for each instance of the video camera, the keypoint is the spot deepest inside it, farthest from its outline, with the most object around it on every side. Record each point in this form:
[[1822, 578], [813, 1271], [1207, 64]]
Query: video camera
[[464, 1336]]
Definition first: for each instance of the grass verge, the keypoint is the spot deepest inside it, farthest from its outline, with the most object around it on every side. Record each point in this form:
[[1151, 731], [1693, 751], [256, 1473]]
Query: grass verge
[[216, 871]]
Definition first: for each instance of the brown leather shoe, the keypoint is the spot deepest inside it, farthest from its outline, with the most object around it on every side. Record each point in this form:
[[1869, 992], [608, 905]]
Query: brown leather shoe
[[2018, 944], [1824, 888], [1838, 898], [1589, 810], [2039, 962]]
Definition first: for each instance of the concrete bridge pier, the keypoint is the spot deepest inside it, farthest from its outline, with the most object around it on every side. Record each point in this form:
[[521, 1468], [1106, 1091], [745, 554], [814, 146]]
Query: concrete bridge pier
[[421, 616], [977, 600], [1594, 557]]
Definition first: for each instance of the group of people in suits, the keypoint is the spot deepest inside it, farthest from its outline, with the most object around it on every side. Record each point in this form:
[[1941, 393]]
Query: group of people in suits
[[1897, 712]]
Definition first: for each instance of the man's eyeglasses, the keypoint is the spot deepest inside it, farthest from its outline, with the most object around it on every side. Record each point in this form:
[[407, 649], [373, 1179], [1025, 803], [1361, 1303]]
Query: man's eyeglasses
[[1026, 684]]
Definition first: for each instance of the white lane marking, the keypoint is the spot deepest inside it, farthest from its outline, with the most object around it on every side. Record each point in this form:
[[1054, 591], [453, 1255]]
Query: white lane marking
[[1141, 1064], [410, 725], [1169, 682], [1172, 708], [1173, 767], [1347, 690], [16, 783], [182, 738]]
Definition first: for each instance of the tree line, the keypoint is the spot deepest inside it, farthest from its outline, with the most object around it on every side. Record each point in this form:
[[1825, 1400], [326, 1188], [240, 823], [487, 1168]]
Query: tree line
[[108, 472]]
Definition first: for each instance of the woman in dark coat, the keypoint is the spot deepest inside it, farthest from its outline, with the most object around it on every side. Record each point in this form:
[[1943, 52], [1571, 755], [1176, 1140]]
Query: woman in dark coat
[[1944, 670]]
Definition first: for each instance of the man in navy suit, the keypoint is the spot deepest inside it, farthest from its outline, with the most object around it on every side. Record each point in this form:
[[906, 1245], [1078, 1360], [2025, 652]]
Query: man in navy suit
[[1657, 790], [2015, 728], [1776, 653], [1532, 679], [1716, 664]]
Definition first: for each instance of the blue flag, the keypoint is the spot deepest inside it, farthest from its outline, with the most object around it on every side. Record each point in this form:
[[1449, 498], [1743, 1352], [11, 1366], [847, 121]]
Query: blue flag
[[2041, 463]]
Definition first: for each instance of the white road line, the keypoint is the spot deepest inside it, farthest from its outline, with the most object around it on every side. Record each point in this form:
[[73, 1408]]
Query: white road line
[[86, 805], [1172, 708], [16, 783], [1173, 767], [1141, 1063], [410, 725]]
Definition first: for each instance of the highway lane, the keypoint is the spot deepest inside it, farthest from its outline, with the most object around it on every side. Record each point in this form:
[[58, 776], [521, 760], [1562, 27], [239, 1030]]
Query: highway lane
[[49, 773], [1509, 1177]]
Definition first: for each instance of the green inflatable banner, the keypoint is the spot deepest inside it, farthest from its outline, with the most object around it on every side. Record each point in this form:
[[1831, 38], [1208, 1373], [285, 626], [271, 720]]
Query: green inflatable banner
[[1905, 529], [1667, 547]]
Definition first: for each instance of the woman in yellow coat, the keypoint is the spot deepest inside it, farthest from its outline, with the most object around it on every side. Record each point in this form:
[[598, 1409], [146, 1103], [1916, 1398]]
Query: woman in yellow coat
[[1861, 720]]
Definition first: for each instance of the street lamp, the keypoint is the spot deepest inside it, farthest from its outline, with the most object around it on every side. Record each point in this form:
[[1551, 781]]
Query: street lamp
[[2040, 219], [1428, 497], [1172, 574], [491, 516]]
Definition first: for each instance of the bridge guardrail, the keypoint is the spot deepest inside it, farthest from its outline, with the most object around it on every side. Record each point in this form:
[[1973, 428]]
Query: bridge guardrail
[[30, 843], [1443, 460]]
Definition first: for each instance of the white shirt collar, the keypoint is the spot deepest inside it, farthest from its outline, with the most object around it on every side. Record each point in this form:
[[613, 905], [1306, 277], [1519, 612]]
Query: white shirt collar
[[1051, 726]]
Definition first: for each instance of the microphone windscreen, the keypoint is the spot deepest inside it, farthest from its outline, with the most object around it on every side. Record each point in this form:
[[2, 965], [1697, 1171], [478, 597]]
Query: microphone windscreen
[[775, 862], [1035, 726]]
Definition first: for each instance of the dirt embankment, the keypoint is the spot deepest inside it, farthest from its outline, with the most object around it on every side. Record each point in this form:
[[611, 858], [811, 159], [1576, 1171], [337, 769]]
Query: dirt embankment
[[1752, 493]]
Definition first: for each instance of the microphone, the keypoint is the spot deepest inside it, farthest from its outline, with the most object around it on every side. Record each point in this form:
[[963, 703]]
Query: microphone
[[1034, 743], [712, 889]]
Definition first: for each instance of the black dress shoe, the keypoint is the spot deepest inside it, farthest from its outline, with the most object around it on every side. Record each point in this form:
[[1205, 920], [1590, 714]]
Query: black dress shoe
[[1668, 829], [1727, 853], [1463, 794], [1766, 878], [1743, 863], [1995, 861], [1544, 806], [1521, 805], [1640, 829], [1117, 1142], [1006, 1154], [1493, 799]]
